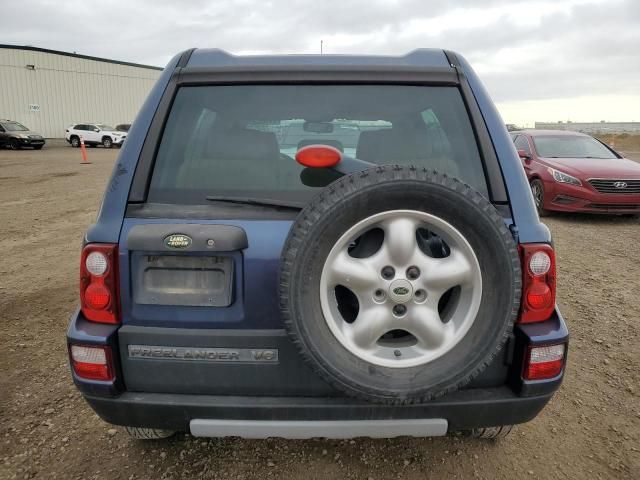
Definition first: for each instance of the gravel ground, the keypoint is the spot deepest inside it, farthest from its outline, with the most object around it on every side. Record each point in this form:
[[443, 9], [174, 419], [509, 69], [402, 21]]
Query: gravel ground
[[591, 429]]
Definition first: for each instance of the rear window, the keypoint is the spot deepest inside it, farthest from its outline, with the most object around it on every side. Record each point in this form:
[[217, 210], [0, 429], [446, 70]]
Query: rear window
[[241, 140]]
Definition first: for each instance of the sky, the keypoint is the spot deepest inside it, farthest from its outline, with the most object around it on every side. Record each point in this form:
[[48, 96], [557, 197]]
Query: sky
[[541, 60]]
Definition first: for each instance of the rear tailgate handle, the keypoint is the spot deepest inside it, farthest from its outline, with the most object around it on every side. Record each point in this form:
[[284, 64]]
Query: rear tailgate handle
[[186, 237]]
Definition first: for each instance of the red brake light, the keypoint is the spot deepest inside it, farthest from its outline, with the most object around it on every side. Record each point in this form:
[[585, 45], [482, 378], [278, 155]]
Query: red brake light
[[538, 282], [318, 156], [99, 282], [97, 296], [539, 296], [92, 362]]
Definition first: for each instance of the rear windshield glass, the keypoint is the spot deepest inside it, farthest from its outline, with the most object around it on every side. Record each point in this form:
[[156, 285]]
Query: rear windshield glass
[[570, 146], [240, 141]]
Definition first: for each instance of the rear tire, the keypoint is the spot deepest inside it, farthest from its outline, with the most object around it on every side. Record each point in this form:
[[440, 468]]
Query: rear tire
[[14, 144], [537, 190], [107, 142], [492, 433], [75, 142], [39, 147], [141, 433]]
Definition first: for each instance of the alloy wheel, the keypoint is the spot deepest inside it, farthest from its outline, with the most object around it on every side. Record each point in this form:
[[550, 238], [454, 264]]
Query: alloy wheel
[[400, 288]]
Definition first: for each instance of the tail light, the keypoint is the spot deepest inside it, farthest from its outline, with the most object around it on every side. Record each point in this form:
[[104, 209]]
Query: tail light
[[544, 362], [92, 362], [99, 282], [538, 282]]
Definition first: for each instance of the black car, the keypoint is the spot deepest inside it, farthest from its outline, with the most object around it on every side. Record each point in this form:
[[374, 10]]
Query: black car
[[123, 127], [16, 136]]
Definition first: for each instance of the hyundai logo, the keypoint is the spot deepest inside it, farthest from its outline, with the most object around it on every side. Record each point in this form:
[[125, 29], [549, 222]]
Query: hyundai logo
[[620, 184]]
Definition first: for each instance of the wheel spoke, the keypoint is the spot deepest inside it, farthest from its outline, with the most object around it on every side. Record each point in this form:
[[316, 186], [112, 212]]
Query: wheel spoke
[[448, 272], [424, 323], [369, 326], [400, 240], [352, 272]]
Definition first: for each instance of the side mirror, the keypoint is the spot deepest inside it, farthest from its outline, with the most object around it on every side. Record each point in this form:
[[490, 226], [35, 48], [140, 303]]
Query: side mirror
[[524, 155], [97, 130]]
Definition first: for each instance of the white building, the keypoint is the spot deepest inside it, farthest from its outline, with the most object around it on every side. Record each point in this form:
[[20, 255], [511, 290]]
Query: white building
[[47, 90], [592, 127]]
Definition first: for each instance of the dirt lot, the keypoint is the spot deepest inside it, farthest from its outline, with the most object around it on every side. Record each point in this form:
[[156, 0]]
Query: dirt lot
[[625, 143], [591, 429]]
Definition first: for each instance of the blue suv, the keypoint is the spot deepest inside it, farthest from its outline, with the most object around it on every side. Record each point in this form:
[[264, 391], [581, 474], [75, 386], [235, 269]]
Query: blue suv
[[317, 246]]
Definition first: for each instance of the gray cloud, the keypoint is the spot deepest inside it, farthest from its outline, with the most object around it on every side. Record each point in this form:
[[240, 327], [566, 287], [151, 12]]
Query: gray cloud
[[588, 49]]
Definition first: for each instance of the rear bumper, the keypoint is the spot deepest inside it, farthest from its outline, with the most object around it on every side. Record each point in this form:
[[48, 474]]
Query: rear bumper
[[257, 400], [461, 410]]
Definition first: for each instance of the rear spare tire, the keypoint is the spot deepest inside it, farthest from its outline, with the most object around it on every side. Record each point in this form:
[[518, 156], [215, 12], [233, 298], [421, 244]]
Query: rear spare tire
[[399, 284]]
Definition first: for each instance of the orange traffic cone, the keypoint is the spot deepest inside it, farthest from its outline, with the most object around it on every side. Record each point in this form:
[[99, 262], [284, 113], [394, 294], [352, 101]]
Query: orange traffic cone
[[83, 150]]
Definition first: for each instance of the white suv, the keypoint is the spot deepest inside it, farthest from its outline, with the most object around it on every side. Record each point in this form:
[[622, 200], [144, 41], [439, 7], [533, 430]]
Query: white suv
[[94, 134]]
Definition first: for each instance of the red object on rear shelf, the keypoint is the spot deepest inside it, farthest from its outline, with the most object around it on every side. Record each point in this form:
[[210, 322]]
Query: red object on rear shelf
[[99, 293], [318, 156], [538, 290]]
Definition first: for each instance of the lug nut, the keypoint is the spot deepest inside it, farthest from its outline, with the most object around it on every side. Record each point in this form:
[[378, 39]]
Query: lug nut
[[413, 273], [388, 272], [399, 310], [420, 296], [379, 295]]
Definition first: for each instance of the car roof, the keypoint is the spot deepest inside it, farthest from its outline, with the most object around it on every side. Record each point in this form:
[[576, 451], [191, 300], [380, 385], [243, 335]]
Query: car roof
[[537, 132], [214, 57]]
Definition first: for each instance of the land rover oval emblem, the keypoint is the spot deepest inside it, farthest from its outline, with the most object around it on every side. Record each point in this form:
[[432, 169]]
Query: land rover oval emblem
[[401, 290], [178, 241]]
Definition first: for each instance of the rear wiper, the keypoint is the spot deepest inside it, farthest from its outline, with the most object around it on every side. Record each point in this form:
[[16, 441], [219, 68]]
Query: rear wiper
[[262, 202]]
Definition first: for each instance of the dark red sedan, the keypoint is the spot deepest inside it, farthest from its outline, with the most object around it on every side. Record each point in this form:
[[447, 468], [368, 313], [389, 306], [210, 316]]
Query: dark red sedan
[[574, 172]]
